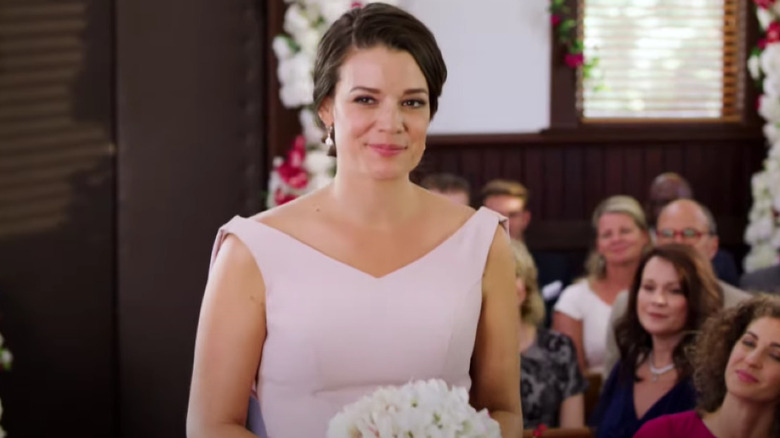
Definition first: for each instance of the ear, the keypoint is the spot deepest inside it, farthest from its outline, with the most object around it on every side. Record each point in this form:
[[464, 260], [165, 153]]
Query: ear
[[526, 218], [713, 247], [325, 112]]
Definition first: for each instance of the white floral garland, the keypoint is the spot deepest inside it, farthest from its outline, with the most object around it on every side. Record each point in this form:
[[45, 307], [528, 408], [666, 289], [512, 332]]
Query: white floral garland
[[763, 231], [305, 22]]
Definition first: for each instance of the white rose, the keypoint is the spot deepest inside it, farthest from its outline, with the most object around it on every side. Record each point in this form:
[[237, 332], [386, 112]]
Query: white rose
[[760, 256], [770, 59], [769, 108], [764, 17], [308, 41], [311, 131], [296, 21], [318, 162], [332, 10], [296, 78], [282, 47], [754, 66], [760, 230], [771, 133]]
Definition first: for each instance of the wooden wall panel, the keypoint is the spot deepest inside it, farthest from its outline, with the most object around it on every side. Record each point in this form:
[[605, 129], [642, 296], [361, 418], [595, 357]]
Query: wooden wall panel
[[568, 178]]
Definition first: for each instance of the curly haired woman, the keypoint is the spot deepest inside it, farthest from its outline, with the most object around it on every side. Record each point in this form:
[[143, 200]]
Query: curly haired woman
[[737, 375]]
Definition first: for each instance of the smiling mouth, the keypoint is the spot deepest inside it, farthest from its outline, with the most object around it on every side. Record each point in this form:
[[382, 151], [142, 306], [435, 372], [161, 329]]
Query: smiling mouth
[[387, 147], [746, 377]]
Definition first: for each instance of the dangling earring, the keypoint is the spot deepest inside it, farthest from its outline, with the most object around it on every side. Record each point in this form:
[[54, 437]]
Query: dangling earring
[[329, 139]]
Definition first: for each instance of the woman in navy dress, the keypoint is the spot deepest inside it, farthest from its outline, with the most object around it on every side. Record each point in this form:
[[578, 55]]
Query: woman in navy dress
[[673, 293]]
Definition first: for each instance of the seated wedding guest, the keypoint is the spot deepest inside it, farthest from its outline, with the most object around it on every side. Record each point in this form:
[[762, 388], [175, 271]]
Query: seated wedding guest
[[668, 187], [452, 187], [510, 199], [664, 189], [687, 222], [551, 386], [765, 280], [673, 293], [582, 312], [737, 375]]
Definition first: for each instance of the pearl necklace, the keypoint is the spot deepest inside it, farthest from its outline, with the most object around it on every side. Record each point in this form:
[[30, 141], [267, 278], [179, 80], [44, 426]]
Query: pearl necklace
[[657, 372]]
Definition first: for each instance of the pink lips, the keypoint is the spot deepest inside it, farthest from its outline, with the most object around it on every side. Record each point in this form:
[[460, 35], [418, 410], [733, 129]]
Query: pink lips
[[387, 150], [746, 377]]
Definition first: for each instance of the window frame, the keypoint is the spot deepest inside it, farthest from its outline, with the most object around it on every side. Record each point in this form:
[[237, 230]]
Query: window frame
[[565, 117]]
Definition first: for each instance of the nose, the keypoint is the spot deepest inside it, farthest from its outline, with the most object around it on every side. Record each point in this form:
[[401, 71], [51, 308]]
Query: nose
[[659, 298], [390, 118], [754, 358], [678, 238]]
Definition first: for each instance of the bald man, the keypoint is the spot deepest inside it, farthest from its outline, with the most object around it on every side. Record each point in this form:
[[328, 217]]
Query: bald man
[[683, 221], [671, 186]]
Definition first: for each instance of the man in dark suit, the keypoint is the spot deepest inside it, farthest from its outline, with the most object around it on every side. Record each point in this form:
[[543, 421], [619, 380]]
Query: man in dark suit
[[762, 280]]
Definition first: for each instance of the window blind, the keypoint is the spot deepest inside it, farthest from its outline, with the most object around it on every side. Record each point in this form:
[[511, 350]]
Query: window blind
[[43, 145], [671, 60]]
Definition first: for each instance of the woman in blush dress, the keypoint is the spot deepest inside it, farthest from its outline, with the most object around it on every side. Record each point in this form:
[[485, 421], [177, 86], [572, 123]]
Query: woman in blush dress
[[369, 281], [674, 292], [737, 375], [551, 384]]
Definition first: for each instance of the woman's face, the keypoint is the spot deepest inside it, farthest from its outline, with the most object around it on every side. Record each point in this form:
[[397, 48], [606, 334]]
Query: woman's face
[[380, 113], [661, 306], [619, 239], [753, 370]]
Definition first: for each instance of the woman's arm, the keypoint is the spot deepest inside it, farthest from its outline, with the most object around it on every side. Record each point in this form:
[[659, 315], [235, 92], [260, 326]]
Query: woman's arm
[[495, 367], [572, 328], [228, 346], [572, 412]]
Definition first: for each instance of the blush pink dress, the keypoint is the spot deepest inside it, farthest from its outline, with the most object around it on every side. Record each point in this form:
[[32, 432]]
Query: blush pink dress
[[335, 333]]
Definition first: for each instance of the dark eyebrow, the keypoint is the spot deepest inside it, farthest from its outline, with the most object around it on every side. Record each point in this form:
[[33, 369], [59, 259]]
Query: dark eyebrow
[[375, 91]]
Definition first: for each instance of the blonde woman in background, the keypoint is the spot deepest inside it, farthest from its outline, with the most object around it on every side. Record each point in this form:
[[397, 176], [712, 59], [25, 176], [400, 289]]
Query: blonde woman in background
[[552, 385], [583, 310]]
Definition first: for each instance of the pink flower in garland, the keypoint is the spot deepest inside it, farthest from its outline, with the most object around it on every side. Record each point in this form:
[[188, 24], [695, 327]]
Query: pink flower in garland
[[773, 33], [540, 430], [356, 5], [280, 197], [574, 60], [555, 19], [765, 4], [291, 170]]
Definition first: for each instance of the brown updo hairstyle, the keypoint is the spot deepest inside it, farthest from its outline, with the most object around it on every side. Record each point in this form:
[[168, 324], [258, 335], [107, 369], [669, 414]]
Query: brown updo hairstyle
[[703, 293], [712, 350], [377, 24]]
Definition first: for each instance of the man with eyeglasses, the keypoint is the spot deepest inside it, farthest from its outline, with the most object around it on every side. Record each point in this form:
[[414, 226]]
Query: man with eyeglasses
[[682, 221]]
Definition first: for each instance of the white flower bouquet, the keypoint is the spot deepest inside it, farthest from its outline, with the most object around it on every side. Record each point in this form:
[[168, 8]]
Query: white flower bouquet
[[420, 409]]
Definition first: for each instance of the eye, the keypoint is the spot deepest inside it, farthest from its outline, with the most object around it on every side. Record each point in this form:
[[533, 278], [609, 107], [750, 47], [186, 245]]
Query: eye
[[648, 287], [364, 99], [676, 291], [415, 103], [666, 233], [748, 343]]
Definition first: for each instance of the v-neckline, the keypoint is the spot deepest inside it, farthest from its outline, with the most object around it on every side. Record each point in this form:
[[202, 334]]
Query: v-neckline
[[349, 267]]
